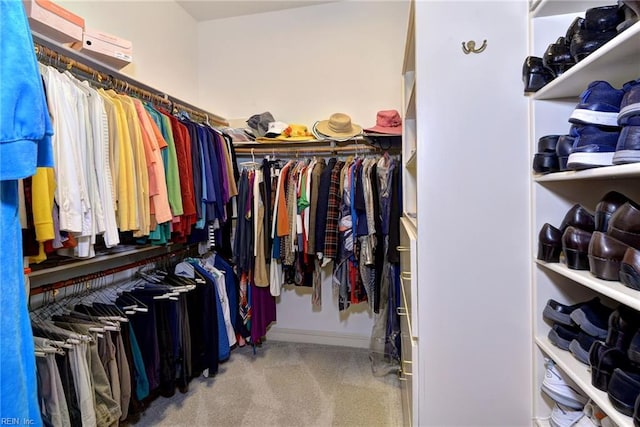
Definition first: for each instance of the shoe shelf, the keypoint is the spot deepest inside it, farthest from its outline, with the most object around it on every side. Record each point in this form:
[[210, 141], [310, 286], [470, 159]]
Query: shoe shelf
[[618, 61], [631, 170], [614, 290], [540, 8], [581, 375]]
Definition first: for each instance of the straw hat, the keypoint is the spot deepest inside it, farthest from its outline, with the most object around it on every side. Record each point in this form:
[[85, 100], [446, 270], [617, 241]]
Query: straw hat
[[338, 127]]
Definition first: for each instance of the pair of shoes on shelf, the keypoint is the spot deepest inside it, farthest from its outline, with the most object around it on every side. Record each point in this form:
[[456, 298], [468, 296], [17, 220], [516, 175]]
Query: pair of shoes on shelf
[[590, 416], [592, 317], [572, 339], [572, 237], [597, 28], [558, 388], [553, 153], [597, 122]]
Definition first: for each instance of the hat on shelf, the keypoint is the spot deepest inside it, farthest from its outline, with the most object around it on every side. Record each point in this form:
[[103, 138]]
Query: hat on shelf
[[296, 132], [259, 123], [339, 128], [387, 122], [275, 128]]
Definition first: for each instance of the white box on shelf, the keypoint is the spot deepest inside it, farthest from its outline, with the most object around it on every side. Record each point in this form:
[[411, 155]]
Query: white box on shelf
[[107, 48]]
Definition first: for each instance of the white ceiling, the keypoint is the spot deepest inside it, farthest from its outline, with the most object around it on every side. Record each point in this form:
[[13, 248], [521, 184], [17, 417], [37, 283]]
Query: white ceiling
[[206, 10]]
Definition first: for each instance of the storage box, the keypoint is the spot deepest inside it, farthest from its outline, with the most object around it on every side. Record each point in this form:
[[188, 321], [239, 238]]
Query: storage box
[[53, 21], [106, 48]]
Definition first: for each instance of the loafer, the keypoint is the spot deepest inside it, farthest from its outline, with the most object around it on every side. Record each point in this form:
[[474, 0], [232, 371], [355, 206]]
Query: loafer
[[633, 352], [599, 105], [585, 42], [624, 225], [628, 147], [609, 203], [580, 346], [605, 256], [563, 149], [623, 324], [561, 335], [593, 147], [630, 269], [557, 312], [578, 217], [549, 243], [558, 389], [623, 390], [534, 74], [575, 245], [604, 360], [577, 24], [558, 57], [593, 318], [603, 18], [630, 103]]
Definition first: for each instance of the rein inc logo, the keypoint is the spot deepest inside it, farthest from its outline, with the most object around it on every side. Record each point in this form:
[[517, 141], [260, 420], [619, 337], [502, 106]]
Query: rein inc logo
[[16, 421]]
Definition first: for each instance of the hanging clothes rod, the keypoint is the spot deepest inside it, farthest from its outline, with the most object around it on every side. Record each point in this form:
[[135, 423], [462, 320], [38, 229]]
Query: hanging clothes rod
[[296, 150], [99, 270], [62, 57]]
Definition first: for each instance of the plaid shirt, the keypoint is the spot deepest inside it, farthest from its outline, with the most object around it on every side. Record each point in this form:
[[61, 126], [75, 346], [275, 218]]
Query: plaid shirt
[[333, 213]]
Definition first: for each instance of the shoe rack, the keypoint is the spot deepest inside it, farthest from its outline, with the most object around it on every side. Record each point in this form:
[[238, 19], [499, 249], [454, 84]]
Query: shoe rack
[[554, 194], [409, 366]]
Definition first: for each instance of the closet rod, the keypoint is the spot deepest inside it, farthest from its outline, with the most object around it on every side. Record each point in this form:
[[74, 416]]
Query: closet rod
[[104, 75], [310, 150], [102, 271]]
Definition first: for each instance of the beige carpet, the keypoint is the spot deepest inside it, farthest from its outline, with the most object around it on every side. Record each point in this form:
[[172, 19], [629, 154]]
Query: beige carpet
[[285, 384]]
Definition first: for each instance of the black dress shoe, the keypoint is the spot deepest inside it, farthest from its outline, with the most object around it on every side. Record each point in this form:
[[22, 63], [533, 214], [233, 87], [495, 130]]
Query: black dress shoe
[[623, 390], [549, 243], [624, 225], [630, 269], [585, 42], [593, 318], [534, 74], [577, 24], [580, 347], [563, 149], [575, 245], [609, 203], [604, 360], [558, 57], [578, 217], [623, 324], [603, 18], [605, 256], [546, 159]]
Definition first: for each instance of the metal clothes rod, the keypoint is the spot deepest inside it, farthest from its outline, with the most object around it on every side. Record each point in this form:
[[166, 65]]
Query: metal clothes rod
[[61, 56], [97, 268], [307, 149]]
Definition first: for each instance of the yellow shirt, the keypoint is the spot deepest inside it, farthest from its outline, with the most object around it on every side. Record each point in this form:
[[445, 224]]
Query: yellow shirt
[[43, 189]]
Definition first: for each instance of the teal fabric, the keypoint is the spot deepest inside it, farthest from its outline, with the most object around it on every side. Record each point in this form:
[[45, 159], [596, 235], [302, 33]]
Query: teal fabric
[[140, 374]]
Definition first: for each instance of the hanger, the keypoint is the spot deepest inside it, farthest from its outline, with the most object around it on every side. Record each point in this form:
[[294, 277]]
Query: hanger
[[252, 164]]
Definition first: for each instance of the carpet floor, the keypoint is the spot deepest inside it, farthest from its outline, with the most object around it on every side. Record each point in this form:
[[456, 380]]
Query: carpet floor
[[285, 384]]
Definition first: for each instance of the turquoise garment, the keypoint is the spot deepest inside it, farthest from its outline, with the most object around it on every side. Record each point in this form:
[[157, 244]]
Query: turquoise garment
[[25, 143], [140, 375]]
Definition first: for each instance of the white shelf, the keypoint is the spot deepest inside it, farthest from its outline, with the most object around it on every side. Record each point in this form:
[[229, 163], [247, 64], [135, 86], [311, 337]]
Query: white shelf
[[580, 374], [411, 217], [410, 107], [412, 160], [631, 170], [617, 62], [541, 8], [612, 289]]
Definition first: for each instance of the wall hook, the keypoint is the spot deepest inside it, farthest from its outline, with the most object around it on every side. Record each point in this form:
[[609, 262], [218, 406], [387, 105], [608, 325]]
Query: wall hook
[[471, 47]]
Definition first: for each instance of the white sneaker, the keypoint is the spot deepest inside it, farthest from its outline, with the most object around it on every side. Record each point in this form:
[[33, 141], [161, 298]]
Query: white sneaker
[[557, 388], [561, 416], [596, 417]]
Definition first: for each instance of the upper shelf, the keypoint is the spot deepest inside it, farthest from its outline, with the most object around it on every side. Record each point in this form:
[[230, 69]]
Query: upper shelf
[[614, 290], [617, 62], [631, 170], [554, 7]]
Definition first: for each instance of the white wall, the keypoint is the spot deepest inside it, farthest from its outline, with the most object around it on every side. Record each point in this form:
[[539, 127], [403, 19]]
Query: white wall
[[304, 64], [164, 36]]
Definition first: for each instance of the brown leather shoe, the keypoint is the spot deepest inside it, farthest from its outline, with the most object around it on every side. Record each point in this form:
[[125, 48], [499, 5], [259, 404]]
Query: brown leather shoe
[[578, 217], [624, 225], [630, 269], [575, 245], [609, 203], [549, 243], [605, 256]]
